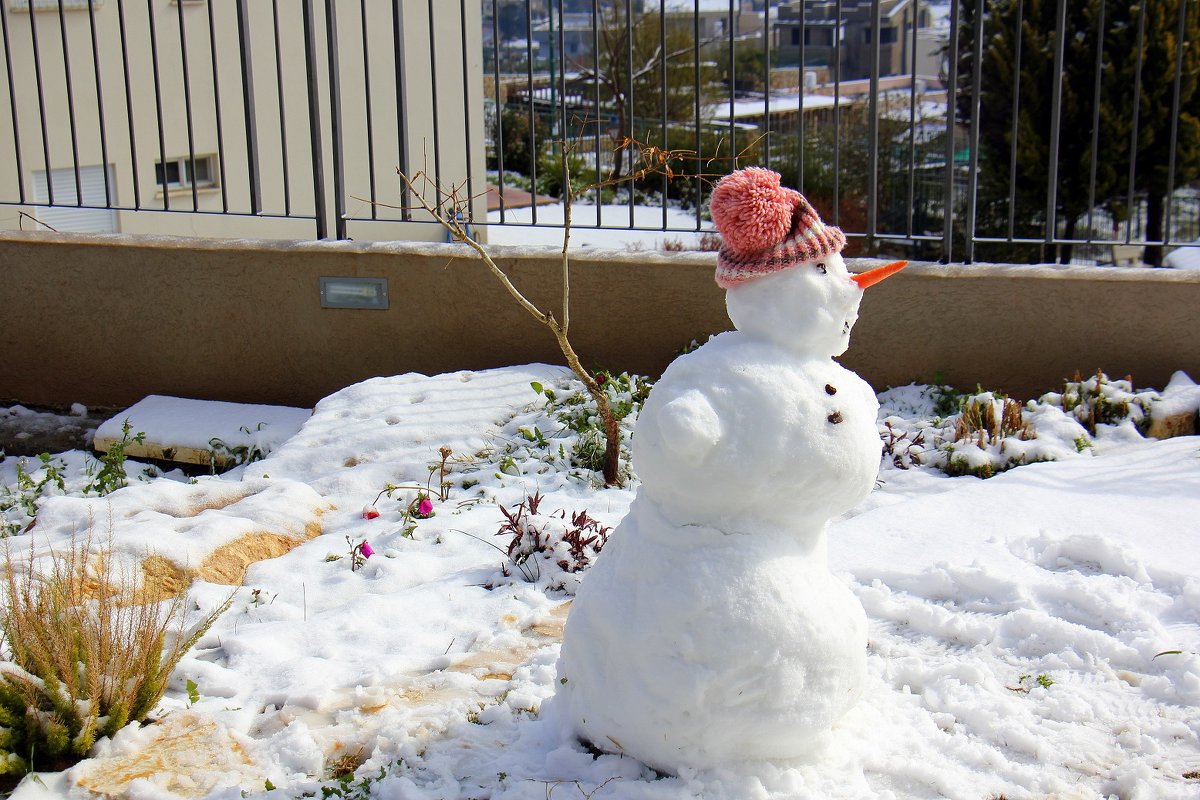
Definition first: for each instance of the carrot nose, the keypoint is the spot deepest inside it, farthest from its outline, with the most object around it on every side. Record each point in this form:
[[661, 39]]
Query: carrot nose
[[874, 276]]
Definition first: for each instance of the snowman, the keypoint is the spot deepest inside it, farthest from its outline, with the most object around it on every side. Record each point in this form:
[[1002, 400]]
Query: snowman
[[711, 631]]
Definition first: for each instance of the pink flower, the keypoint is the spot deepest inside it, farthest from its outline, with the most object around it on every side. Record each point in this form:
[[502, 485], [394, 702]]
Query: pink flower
[[425, 508], [366, 549], [370, 512]]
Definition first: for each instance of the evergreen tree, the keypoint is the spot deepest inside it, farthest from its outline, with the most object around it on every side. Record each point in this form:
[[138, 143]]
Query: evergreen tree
[[1152, 169], [1029, 27], [1107, 29]]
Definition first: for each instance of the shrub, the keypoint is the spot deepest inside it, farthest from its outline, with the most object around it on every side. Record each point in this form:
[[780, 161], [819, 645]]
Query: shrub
[[1099, 400], [576, 411], [83, 656], [111, 475], [19, 503], [547, 547]]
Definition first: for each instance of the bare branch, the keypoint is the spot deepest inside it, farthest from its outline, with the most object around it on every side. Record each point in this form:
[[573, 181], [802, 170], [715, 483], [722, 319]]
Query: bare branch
[[459, 232], [26, 216]]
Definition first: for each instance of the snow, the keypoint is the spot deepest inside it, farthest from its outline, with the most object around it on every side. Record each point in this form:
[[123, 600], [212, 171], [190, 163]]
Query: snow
[[189, 423], [779, 102], [1185, 257], [1034, 634], [518, 228]]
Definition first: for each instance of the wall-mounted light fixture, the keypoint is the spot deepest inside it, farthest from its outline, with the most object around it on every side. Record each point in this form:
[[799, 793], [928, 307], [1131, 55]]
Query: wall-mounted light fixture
[[354, 293]]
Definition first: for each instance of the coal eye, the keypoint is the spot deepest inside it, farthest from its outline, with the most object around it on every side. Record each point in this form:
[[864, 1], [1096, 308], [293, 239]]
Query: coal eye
[[822, 268]]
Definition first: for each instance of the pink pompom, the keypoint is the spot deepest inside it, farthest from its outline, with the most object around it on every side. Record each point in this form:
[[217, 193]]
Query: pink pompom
[[751, 210]]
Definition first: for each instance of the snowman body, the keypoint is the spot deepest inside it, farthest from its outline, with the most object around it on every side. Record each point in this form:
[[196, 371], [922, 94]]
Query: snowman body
[[710, 630]]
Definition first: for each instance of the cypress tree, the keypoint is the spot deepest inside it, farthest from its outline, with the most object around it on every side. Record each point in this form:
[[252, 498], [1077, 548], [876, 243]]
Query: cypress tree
[[1095, 131]]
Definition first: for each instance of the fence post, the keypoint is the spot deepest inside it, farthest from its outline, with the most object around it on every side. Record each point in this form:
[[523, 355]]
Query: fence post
[[320, 211], [951, 95], [248, 102], [1060, 47], [335, 122]]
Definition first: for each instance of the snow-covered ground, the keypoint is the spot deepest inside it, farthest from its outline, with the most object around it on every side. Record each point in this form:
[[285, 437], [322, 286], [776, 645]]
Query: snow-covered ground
[[1185, 257], [640, 235], [1031, 635]]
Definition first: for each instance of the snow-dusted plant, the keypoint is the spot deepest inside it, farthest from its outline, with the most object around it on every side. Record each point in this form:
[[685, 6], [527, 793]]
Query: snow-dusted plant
[[550, 549], [990, 433], [988, 436], [1100, 400], [575, 411], [84, 654], [233, 455], [111, 474], [19, 503]]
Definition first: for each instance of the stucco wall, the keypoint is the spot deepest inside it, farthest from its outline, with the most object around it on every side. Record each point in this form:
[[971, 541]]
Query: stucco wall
[[107, 320]]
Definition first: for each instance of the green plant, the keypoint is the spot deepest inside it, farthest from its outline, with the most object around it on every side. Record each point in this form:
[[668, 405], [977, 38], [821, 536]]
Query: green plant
[[84, 654], [237, 454], [19, 507], [344, 786], [576, 411], [1099, 400], [193, 692], [947, 401], [111, 475], [359, 553], [1026, 681]]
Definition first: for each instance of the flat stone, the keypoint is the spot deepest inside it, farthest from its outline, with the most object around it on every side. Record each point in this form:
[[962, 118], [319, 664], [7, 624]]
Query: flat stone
[[1172, 425], [185, 753], [204, 432]]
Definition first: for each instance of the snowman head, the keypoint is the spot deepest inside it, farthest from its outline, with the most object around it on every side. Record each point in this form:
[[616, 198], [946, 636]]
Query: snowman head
[[782, 266]]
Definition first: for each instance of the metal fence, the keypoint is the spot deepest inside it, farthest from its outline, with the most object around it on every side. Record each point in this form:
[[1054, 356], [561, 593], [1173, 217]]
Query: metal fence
[[1073, 135]]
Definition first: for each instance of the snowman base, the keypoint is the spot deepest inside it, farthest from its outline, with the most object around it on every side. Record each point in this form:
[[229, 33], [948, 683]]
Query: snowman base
[[710, 648]]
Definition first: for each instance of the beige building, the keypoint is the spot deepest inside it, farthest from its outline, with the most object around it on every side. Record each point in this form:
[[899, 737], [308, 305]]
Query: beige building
[[202, 107], [819, 28]]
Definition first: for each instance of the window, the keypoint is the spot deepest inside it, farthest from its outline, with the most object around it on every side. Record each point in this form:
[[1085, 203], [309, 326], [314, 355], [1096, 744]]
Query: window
[[93, 182], [818, 37], [795, 36], [887, 35], [177, 173]]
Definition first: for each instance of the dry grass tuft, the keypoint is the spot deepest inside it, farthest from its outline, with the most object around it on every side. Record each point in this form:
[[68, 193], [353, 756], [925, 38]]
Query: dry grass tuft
[[82, 656], [990, 419]]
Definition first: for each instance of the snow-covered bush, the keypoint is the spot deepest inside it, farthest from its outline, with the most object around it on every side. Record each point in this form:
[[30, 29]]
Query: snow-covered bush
[[987, 433], [550, 549], [1099, 400]]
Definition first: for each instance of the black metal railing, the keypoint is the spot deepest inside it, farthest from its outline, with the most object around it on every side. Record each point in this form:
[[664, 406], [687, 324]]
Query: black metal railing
[[1071, 135]]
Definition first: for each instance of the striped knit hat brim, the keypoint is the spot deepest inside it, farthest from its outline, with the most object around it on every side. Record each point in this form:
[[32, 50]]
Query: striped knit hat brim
[[750, 209], [802, 245]]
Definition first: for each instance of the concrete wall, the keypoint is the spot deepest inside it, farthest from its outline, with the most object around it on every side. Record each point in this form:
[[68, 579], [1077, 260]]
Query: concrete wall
[[106, 320]]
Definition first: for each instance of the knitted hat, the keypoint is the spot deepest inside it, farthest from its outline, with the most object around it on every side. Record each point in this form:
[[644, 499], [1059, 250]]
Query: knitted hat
[[766, 227]]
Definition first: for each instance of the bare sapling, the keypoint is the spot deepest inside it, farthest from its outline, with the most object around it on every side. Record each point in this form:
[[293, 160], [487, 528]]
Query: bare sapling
[[450, 207]]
